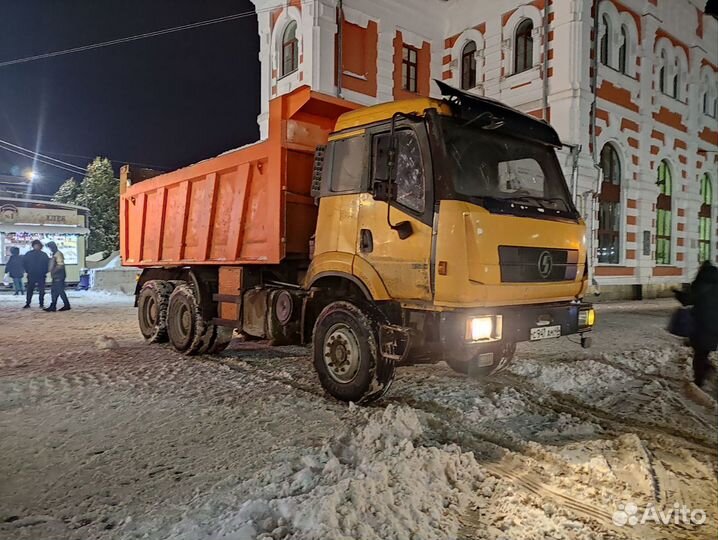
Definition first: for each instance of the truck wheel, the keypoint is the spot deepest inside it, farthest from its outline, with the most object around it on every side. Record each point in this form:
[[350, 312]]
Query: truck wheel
[[152, 305], [184, 322], [223, 337], [503, 356], [214, 340], [345, 348]]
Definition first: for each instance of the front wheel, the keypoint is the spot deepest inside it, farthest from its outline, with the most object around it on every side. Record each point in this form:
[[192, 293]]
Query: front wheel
[[346, 354], [503, 355]]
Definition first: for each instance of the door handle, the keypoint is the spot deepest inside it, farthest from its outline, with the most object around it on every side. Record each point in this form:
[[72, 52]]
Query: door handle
[[366, 241]]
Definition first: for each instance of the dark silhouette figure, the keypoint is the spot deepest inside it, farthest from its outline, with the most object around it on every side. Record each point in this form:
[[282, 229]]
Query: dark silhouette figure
[[703, 296], [36, 263], [15, 268]]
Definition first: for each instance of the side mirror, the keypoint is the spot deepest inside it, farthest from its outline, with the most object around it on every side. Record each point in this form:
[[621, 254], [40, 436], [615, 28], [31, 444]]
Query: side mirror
[[384, 190], [404, 229]]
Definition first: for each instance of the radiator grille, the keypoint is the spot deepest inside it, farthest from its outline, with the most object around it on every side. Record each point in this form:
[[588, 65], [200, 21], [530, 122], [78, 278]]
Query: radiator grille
[[530, 264]]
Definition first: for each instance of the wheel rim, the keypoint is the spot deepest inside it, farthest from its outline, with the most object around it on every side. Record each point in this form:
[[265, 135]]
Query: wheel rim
[[148, 316], [341, 353], [184, 321], [151, 309]]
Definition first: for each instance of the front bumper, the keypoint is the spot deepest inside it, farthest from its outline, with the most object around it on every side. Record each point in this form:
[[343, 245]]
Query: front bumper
[[517, 322]]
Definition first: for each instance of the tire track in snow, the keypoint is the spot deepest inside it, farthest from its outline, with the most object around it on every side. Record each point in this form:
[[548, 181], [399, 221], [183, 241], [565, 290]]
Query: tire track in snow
[[552, 400]]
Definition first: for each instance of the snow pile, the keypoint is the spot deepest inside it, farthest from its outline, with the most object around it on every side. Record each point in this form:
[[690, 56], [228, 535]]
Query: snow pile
[[376, 482], [583, 378], [672, 361], [106, 343]]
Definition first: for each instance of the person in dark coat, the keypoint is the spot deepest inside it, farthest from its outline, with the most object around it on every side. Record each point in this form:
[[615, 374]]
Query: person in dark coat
[[36, 263], [703, 296], [15, 268]]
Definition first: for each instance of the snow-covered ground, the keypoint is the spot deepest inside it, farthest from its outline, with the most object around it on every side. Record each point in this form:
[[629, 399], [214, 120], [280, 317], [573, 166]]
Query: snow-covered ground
[[102, 436]]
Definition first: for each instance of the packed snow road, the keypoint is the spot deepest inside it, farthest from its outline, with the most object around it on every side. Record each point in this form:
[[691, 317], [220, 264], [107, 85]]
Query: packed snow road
[[102, 436]]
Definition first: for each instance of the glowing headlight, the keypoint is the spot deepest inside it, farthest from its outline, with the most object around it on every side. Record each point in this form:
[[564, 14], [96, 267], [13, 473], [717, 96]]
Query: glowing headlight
[[587, 317], [479, 328]]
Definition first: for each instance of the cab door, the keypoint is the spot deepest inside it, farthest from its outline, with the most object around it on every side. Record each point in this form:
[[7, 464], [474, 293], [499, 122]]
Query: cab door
[[404, 265]]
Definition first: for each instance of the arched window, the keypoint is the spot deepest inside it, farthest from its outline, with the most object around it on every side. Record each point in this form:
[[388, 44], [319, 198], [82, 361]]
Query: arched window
[[706, 107], [524, 46], [663, 215], [290, 49], [704, 219], [609, 207], [604, 48], [468, 66], [662, 73], [623, 51], [676, 84]]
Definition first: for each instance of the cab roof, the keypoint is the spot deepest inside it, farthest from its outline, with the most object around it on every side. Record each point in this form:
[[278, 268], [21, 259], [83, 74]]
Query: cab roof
[[495, 115], [385, 111]]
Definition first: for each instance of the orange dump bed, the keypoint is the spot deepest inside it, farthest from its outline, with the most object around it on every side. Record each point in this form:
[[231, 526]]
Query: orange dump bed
[[248, 206]]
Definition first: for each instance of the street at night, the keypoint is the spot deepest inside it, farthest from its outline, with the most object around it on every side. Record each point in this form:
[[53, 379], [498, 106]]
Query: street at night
[[359, 270]]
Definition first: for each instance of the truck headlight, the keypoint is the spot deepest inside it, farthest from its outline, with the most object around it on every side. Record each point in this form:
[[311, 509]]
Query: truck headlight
[[586, 318], [483, 328]]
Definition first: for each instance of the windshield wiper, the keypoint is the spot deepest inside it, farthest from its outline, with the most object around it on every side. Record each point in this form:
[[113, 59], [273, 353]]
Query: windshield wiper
[[538, 200]]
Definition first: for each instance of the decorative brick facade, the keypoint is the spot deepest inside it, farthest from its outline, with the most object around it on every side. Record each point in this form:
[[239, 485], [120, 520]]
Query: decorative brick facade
[[655, 100]]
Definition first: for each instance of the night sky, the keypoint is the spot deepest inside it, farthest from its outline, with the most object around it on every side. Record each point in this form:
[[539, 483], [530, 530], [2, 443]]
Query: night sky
[[165, 101]]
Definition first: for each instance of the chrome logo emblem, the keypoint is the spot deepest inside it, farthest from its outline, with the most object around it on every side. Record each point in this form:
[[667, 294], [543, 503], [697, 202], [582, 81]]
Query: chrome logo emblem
[[545, 264]]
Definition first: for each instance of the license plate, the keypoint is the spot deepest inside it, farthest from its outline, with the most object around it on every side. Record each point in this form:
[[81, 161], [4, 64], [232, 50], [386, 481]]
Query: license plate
[[545, 332]]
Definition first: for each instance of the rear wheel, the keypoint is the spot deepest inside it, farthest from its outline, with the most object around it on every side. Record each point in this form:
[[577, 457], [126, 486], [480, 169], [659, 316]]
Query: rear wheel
[[152, 304], [215, 339], [183, 319], [346, 354], [187, 328], [503, 355]]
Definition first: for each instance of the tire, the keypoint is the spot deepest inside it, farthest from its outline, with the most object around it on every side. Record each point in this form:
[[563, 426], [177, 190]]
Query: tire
[[187, 329], [345, 348], [215, 339], [185, 326], [503, 355], [223, 337], [152, 304]]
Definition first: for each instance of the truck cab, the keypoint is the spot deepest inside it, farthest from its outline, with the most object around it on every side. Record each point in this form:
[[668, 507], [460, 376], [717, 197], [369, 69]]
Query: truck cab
[[453, 215]]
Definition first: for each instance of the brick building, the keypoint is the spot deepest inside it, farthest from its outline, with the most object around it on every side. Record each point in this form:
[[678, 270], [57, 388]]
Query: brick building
[[637, 106]]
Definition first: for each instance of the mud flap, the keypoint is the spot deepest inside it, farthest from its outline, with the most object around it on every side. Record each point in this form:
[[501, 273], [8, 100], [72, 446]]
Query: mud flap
[[394, 342]]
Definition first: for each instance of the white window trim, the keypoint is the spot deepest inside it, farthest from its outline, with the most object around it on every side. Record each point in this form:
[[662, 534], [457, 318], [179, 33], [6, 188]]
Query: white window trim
[[618, 20], [288, 82], [509, 37], [470, 34], [675, 62], [622, 202], [673, 263]]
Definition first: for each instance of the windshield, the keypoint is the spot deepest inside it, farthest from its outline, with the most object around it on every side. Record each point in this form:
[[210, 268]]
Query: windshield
[[507, 173]]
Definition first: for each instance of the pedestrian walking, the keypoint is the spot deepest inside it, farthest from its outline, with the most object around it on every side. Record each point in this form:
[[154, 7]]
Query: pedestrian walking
[[703, 296], [36, 263], [58, 275], [15, 268]]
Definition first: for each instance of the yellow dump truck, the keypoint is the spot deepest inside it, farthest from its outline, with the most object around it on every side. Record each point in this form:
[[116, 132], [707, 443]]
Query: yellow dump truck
[[408, 232]]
